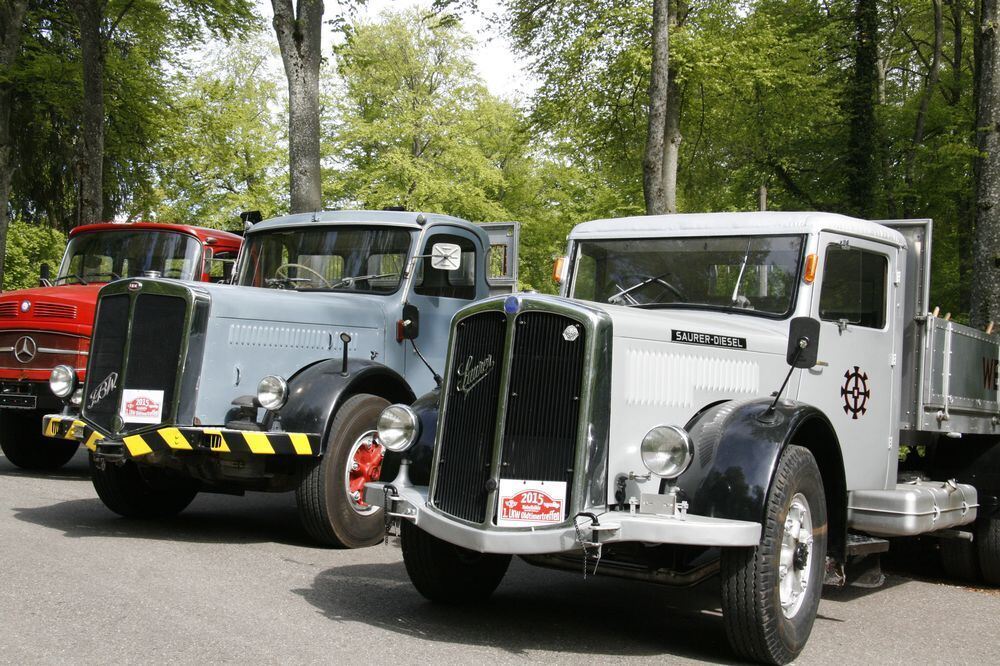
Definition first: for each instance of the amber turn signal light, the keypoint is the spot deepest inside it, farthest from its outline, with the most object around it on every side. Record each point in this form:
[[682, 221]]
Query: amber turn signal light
[[557, 269], [812, 261]]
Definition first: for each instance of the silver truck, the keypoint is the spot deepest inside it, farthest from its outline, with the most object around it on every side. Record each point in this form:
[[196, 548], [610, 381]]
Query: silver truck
[[274, 383], [763, 396]]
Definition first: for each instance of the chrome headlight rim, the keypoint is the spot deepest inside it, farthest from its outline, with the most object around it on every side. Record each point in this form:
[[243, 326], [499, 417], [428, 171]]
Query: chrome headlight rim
[[667, 451], [398, 427], [62, 381], [272, 392]]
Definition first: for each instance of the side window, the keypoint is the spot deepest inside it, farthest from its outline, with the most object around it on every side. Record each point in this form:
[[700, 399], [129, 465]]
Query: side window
[[854, 287], [448, 284]]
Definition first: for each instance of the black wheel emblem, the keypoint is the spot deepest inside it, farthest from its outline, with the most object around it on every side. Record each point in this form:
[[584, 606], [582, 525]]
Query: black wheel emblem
[[855, 392]]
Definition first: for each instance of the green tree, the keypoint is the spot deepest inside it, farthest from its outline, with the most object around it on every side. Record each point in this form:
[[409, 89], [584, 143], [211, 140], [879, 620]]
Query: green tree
[[28, 247]]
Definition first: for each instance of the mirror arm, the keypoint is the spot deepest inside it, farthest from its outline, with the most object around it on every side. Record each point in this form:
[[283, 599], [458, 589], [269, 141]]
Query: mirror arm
[[803, 343]]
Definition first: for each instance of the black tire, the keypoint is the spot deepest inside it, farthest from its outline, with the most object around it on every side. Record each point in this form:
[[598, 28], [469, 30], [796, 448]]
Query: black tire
[[960, 559], [988, 540], [24, 445], [755, 622], [325, 508], [449, 574], [133, 493]]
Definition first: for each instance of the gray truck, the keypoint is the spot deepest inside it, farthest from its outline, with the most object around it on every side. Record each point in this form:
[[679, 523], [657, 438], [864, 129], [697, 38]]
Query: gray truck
[[762, 396], [274, 383]]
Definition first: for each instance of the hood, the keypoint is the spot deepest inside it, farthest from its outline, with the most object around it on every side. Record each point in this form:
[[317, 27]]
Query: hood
[[721, 330], [67, 308], [281, 306]]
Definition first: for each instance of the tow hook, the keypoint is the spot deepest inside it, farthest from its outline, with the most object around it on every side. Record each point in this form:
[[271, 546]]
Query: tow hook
[[109, 452]]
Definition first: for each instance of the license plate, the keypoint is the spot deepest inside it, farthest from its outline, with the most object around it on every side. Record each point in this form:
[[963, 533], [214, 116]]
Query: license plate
[[17, 401], [524, 503]]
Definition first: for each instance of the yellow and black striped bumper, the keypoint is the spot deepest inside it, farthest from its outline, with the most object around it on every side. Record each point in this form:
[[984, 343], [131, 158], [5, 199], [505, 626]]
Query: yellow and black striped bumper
[[67, 427], [221, 440]]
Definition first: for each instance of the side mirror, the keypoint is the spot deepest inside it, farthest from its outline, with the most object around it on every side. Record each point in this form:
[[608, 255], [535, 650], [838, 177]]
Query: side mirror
[[446, 257], [803, 342], [408, 328], [43, 276]]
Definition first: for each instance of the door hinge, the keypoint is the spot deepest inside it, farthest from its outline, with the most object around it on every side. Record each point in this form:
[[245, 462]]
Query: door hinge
[[890, 442], [899, 278], [892, 360]]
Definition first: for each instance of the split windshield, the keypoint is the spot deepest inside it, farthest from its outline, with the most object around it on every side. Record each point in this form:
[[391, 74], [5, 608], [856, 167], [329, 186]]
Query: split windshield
[[328, 258], [103, 256], [744, 273]]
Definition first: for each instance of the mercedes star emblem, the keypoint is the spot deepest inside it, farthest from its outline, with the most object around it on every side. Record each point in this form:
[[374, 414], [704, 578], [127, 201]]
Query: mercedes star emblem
[[25, 349]]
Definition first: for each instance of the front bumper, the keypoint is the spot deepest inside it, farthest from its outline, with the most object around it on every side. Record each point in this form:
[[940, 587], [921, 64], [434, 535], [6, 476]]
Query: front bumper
[[407, 502], [168, 440]]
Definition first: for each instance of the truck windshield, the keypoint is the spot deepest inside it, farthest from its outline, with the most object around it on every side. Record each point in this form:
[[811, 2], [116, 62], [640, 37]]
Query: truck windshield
[[746, 273], [337, 258], [103, 256]]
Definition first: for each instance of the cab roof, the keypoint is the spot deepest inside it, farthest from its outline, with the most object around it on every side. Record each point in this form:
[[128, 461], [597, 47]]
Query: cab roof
[[388, 217], [729, 224], [205, 234]]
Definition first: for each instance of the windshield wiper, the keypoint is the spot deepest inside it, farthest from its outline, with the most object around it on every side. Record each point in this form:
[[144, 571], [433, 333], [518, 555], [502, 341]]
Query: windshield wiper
[[348, 281], [72, 275], [739, 278]]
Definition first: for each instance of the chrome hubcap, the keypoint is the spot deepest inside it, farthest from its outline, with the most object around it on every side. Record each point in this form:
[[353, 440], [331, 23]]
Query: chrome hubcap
[[796, 561]]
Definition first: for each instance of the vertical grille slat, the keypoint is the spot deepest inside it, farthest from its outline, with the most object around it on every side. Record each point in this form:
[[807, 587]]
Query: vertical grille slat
[[542, 416], [471, 418], [543, 408]]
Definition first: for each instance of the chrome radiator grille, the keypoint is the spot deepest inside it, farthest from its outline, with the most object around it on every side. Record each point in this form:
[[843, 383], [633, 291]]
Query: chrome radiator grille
[[529, 369]]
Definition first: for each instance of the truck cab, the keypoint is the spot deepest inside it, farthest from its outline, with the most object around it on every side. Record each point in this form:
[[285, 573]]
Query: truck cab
[[50, 325], [714, 393], [273, 383]]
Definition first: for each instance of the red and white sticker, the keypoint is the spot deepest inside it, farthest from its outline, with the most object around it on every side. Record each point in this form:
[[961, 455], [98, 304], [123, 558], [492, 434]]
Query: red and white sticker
[[531, 503], [141, 406]]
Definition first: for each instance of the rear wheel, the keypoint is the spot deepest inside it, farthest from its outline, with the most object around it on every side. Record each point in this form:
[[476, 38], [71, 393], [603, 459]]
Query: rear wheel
[[770, 592], [331, 491], [960, 559], [135, 493], [24, 445], [988, 538], [446, 573]]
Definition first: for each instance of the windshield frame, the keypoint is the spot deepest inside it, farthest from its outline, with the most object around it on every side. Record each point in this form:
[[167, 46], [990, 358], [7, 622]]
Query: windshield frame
[[249, 239], [731, 309], [198, 261]]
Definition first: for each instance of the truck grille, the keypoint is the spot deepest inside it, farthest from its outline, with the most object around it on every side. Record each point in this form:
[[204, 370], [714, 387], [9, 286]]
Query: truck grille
[[541, 420], [153, 347]]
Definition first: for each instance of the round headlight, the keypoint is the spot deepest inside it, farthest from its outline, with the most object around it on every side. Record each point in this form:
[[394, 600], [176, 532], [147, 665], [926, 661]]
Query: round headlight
[[272, 392], [62, 381], [667, 451], [398, 428]]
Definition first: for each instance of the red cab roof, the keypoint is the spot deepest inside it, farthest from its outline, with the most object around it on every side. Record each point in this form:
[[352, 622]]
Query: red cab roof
[[209, 236]]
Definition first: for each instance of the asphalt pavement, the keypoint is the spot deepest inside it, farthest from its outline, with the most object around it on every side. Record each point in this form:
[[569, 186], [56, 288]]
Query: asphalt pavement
[[235, 579]]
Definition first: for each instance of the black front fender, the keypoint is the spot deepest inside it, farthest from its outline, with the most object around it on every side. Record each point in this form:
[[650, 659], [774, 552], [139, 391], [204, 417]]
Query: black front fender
[[316, 393], [737, 446]]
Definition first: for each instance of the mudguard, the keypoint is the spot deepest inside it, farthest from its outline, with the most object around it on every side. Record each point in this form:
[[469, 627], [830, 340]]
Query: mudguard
[[737, 446], [316, 393], [422, 451]]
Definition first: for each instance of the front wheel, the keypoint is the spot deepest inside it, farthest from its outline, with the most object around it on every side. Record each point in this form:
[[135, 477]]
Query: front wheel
[[24, 445], [446, 573], [128, 492], [331, 490], [770, 592]]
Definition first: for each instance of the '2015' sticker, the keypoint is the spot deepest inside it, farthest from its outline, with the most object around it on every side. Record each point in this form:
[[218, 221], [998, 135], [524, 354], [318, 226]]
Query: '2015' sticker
[[525, 503], [141, 406]]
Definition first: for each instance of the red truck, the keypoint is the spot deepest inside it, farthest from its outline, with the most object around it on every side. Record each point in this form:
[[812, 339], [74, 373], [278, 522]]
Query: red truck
[[50, 325]]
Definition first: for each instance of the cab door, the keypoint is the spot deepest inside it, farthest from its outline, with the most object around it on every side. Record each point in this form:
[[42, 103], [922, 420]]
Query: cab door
[[853, 380], [438, 294]]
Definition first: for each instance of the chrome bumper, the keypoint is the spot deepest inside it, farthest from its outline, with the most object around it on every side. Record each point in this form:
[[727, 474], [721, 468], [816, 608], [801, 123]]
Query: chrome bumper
[[406, 502]]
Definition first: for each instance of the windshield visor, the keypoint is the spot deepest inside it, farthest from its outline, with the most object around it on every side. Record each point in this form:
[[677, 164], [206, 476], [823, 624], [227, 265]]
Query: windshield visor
[[745, 273], [103, 256], [326, 259]]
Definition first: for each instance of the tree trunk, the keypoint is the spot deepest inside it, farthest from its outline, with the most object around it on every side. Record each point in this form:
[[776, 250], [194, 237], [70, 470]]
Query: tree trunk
[[90, 164], [11, 19], [653, 160], [672, 144], [919, 129], [862, 148], [299, 35], [986, 286]]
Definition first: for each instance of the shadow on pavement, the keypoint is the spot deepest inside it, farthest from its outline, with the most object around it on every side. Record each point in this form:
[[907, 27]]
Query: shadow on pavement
[[534, 609], [75, 470], [256, 518]]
